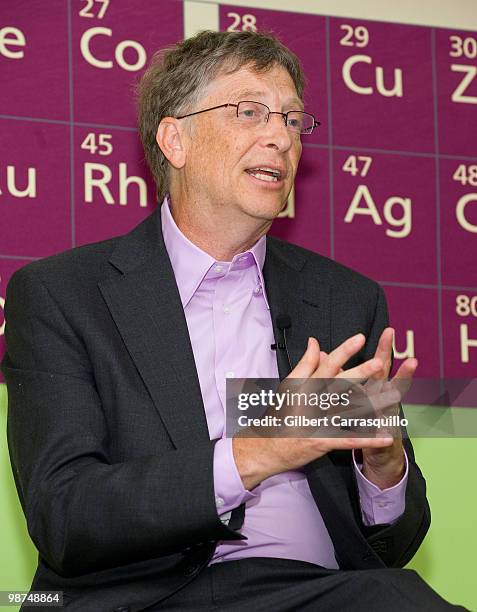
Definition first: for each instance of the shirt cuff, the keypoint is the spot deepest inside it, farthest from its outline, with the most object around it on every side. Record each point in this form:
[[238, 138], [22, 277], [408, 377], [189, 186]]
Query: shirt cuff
[[228, 486], [380, 506]]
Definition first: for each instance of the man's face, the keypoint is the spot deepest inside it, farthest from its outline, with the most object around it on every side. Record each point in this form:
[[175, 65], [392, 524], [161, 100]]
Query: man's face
[[222, 149]]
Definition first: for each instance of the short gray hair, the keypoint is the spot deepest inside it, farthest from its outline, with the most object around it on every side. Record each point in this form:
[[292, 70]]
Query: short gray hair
[[178, 76]]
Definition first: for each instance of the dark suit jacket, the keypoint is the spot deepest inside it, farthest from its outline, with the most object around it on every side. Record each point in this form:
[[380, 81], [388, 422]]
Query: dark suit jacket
[[106, 426]]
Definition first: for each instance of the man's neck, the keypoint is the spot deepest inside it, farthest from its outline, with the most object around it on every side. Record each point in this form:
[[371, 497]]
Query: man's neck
[[222, 238]]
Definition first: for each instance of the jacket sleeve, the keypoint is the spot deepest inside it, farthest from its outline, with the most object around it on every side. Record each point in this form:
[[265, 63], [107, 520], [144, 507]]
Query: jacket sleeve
[[397, 543], [85, 513]]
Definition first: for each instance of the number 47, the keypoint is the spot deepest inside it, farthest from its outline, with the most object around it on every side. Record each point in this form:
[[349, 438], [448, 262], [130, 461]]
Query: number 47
[[351, 165]]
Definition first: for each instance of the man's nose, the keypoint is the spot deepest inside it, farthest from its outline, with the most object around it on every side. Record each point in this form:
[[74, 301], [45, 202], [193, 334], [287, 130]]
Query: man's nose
[[276, 128]]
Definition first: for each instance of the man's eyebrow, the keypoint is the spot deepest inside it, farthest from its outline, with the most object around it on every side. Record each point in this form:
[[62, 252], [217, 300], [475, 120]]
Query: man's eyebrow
[[244, 94]]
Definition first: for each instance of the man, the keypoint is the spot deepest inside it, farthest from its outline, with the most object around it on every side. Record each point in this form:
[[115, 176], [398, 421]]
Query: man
[[116, 365]]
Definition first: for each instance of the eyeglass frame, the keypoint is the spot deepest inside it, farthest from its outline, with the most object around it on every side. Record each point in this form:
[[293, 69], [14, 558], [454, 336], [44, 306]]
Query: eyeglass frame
[[284, 115]]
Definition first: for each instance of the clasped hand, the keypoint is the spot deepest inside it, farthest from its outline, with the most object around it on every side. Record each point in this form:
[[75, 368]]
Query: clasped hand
[[382, 454]]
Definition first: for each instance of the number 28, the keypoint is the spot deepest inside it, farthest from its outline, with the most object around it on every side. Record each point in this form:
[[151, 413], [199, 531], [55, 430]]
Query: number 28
[[248, 21]]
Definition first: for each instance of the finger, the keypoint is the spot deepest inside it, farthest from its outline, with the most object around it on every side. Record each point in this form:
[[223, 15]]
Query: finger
[[349, 443], [407, 368], [384, 348], [339, 356], [363, 371], [309, 361], [402, 380], [324, 355], [383, 352]]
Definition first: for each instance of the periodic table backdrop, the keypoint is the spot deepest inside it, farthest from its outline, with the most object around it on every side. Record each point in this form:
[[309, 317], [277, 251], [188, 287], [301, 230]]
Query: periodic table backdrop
[[387, 185]]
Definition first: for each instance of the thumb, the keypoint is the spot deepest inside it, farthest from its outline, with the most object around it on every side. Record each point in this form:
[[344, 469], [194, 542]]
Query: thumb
[[309, 361]]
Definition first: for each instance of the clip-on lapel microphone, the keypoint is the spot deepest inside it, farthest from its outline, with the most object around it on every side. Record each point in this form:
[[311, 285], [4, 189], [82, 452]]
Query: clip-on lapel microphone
[[283, 322]]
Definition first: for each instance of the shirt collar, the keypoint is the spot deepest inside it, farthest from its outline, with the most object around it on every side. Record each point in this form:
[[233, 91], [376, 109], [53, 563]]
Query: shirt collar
[[191, 264]]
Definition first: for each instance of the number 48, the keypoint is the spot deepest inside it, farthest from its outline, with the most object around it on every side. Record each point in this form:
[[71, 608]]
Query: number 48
[[466, 175]]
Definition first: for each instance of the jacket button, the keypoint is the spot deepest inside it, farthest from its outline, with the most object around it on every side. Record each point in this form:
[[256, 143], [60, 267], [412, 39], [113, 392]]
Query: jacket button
[[191, 569], [122, 609], [380, 546]]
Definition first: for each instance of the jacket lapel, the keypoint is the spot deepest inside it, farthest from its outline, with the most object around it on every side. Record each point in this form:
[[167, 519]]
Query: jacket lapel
[[306, 303], [145, 304]]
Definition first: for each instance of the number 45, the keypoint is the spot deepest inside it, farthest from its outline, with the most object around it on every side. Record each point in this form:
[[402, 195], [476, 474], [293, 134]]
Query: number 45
[[351, 165], [98, 143]]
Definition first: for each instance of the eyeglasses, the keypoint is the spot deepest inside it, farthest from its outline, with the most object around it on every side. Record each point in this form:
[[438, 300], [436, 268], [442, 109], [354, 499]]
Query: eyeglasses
[[255, 113]]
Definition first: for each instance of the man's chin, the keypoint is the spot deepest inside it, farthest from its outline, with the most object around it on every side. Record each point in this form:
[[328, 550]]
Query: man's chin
[[263, 211]]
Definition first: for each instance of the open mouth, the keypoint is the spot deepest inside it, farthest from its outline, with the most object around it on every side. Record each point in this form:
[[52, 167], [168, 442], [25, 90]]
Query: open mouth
[[265, 175]]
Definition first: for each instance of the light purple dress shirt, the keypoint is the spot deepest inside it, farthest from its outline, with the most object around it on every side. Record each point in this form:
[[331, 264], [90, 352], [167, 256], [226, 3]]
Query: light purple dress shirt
[[230, 327]]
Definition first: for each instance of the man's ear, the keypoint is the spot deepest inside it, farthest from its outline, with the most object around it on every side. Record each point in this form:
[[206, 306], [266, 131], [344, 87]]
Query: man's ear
[[171, 140]]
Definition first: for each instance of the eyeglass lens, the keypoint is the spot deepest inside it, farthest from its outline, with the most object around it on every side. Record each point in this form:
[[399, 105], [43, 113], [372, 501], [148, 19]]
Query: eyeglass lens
[[256, 112]]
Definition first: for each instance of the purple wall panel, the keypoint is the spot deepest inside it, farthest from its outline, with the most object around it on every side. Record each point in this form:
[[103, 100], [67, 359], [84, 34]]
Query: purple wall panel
[[398, 106], [109, 54], [458, 188], [385, 222], [459, 311], [34, 59], [35, 188], [381, 90], [456, 53], [113, 190], [414, 313]]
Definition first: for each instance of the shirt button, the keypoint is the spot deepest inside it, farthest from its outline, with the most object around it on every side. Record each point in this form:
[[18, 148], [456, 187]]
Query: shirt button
[[229, 374], [257, 289], [242, 258], [218, 268], [219, 502], [382, 504], [226, 309]]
